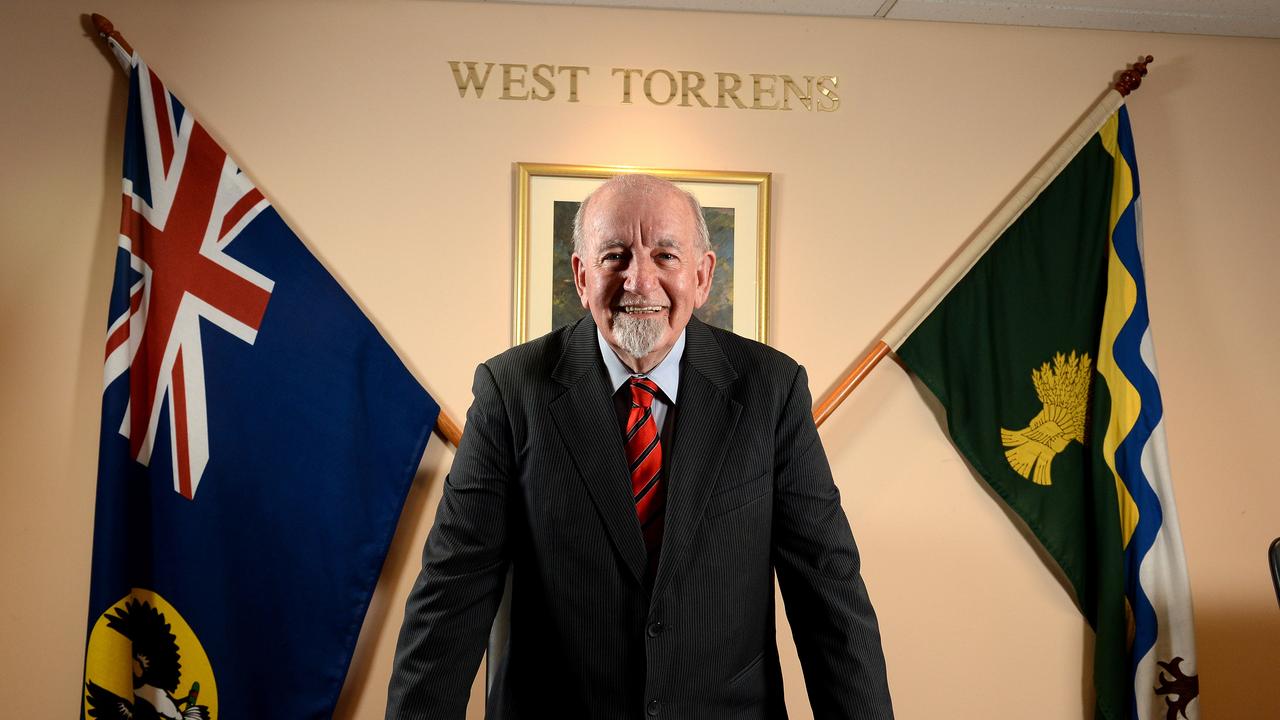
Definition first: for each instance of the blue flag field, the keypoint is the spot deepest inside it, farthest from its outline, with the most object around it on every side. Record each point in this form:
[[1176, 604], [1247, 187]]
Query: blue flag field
[[258, 440]]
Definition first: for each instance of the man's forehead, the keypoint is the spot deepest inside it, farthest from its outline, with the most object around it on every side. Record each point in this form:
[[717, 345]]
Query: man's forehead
[[664, 210], [615, 241], [630, 196]]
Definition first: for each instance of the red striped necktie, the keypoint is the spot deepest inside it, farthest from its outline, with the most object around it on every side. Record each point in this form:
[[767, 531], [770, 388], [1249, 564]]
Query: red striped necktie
[[644, 456]]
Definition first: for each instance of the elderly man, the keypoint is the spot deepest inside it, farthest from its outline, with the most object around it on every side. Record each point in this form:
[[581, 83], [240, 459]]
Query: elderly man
[[643, 475]]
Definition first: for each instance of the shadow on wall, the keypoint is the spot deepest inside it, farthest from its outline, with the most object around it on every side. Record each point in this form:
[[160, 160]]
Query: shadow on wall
[[385, 605], [1239, 660], [93, 327]]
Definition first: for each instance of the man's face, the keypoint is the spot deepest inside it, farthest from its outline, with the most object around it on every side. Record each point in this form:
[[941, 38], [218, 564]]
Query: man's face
[[642, 273]]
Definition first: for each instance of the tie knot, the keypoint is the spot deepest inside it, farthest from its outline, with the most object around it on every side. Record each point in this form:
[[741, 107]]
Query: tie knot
[[643, 391]]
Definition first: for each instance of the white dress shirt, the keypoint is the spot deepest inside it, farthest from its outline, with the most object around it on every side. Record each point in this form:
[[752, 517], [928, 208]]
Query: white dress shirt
[[666, 376]]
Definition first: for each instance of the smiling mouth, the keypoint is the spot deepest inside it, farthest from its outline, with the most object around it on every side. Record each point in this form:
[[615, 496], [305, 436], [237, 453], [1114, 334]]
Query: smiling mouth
[[637, 309]]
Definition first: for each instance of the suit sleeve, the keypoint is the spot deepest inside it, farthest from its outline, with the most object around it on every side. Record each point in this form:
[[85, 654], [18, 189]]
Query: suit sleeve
[[832, 621], [451, 607]]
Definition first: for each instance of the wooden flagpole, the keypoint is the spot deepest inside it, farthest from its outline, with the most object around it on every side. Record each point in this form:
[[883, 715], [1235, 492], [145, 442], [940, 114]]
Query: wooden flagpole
[[446, 427], [965, 258]]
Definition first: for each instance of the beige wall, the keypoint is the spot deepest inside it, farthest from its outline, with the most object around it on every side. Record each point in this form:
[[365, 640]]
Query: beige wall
[[346, 116]]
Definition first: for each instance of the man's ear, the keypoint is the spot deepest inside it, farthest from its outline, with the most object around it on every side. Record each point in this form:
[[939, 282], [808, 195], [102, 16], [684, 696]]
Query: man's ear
[[579, 278], [706, 271]]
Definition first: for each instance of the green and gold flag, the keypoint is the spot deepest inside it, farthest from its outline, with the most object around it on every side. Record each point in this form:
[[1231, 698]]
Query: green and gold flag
[[1041, 355]]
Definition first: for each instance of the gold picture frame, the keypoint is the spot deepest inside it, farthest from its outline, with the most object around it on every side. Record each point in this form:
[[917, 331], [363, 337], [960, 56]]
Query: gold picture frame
[[737, 205]]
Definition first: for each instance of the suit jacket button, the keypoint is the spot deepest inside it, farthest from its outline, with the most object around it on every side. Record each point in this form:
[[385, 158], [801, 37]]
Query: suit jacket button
[[655, 629], [653, 708]]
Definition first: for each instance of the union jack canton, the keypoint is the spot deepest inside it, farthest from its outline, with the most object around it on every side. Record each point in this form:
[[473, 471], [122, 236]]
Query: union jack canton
[[181, 208]]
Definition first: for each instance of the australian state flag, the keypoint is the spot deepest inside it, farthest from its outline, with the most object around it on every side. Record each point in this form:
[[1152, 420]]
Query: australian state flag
[[258, 440]]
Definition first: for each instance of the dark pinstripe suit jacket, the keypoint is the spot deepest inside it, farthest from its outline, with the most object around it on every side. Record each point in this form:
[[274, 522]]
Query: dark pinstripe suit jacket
[[540, 485]]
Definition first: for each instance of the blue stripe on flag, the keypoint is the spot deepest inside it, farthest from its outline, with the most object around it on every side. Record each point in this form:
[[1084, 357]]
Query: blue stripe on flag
[[1124, 138], [178, 111], [1128, 355], [125, 278], [135, 151]]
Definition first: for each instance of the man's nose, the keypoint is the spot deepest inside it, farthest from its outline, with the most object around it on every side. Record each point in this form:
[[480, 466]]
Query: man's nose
[[641, 275]]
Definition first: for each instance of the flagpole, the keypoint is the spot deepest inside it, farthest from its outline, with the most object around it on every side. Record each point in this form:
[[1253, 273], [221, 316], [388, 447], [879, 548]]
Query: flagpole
[[446, 427], [993, 228]]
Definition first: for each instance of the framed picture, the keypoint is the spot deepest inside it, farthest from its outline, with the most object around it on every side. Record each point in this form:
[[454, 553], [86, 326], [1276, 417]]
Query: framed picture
[[736, 208]]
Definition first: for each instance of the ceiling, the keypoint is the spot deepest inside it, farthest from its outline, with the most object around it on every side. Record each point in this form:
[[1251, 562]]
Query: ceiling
[[1244, 18]]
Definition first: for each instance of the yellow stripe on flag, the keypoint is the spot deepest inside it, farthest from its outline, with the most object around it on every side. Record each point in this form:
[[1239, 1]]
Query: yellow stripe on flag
[[1122, 296]]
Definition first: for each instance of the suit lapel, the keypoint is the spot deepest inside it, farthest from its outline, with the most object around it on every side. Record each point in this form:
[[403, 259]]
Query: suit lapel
[[705, 421], [588, 425]]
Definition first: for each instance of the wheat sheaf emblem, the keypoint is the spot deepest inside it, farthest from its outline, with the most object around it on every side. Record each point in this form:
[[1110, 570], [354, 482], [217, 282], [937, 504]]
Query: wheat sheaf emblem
[[1064, 391]]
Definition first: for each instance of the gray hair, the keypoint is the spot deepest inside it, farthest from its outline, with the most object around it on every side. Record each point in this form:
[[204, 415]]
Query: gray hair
[[644, 185]]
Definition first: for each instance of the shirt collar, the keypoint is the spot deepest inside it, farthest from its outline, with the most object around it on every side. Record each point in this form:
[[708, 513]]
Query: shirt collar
[[666, 376]]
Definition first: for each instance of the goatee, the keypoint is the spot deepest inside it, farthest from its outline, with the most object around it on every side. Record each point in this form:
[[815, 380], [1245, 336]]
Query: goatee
[[638, 336]]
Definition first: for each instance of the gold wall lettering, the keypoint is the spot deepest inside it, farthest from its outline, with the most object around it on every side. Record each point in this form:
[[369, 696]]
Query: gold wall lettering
[[515, 78], [758, 91]]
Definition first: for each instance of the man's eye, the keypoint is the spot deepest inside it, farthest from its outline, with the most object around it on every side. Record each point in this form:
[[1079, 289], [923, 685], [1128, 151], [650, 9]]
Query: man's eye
[[666, 256], [612, 257]]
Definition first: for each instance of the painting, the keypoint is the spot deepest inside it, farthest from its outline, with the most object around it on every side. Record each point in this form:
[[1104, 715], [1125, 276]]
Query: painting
[[735, 207]]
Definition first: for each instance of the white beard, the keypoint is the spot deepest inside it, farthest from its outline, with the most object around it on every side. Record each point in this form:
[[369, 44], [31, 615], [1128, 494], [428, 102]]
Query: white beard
[[638, 336]]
